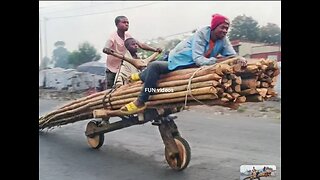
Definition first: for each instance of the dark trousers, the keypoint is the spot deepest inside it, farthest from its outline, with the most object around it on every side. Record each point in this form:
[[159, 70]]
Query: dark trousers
[[150, 75], [110, 76]]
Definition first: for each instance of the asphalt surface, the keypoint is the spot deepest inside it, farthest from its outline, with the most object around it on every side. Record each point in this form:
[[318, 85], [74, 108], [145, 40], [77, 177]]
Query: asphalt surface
[[220, 144]]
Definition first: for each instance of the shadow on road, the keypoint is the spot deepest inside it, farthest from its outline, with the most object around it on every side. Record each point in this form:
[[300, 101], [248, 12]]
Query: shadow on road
[[112, 162]]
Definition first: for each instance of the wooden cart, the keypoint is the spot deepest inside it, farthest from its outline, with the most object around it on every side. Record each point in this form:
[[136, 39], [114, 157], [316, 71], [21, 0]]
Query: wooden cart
[[177, 149], [262, 174], [219, 84]]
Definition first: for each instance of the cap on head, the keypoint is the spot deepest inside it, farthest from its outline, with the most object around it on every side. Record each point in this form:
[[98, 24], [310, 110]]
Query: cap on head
[[218, 19]]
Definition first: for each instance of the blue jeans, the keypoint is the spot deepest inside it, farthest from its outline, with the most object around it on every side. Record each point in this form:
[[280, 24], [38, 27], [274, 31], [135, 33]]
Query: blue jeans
[[150, 75]]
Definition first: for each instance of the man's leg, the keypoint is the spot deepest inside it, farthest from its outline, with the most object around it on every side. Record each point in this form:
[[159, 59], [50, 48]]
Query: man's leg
[[150, 76], [110, 76]]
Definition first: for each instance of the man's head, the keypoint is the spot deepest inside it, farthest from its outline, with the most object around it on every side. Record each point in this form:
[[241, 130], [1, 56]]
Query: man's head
[[122, 23], [131, 44], [219, 25]]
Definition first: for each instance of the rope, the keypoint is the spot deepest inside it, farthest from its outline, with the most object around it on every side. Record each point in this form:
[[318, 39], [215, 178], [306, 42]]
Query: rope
[[109, 97], [189, 89], [113, 88], [190, 79]]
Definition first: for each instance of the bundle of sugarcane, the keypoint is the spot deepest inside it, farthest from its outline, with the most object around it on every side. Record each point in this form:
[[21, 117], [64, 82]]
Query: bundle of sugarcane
[[225, 84]]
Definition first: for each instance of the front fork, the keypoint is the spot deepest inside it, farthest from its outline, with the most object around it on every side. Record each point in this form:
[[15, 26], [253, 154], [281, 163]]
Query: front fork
[[168, 130]]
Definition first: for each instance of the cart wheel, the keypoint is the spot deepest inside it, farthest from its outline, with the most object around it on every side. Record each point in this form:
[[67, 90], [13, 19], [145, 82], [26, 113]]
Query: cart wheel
[[97, 141], [184, 155]]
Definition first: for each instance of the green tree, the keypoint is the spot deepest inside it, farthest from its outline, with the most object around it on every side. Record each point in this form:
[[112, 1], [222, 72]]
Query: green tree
[[85, 53], [270, 34], [172, 44], [244, 28], [60, 55], [156, 43], [44, 63], [143, 53], [59, 43]]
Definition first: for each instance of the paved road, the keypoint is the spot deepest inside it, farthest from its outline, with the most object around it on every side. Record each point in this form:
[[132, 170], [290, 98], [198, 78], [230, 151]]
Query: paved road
[[220, 144]]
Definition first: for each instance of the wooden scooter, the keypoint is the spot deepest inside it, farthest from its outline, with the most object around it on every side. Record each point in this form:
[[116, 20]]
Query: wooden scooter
[[177, 149]]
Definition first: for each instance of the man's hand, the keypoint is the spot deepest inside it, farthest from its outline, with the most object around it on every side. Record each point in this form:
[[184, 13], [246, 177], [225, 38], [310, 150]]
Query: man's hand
[[242, 61], [108, 51], [159, 50]]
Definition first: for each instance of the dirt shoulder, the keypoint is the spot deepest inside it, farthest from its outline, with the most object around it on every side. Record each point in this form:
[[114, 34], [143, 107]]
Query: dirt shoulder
[[266, 109]]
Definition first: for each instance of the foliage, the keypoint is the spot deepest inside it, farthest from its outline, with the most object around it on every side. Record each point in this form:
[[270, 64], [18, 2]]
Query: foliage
[[159, 42], [85, 53], [172, 44], [270, 34], [59, 43], [44, 63], [143, 53], [244, 28], [247, 29], [60, 55]]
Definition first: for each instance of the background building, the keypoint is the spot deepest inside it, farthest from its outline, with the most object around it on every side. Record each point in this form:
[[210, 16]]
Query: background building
[[257, 50]]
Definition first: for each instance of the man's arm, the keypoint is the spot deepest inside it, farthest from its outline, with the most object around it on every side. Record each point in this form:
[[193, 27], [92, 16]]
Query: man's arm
[[135, 62], [107, 47], [228, 49], [151, 58], [234, 59], [141, 63], [148, 48]]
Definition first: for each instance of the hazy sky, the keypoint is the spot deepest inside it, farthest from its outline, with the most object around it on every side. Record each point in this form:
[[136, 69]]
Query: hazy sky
[[77, 21]]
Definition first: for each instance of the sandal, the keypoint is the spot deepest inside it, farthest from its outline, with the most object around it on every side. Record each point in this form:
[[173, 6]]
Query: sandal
[[135, 77], [131, 109]]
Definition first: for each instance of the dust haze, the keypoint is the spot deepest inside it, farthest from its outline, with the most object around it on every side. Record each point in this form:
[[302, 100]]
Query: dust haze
[[75, 22]]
